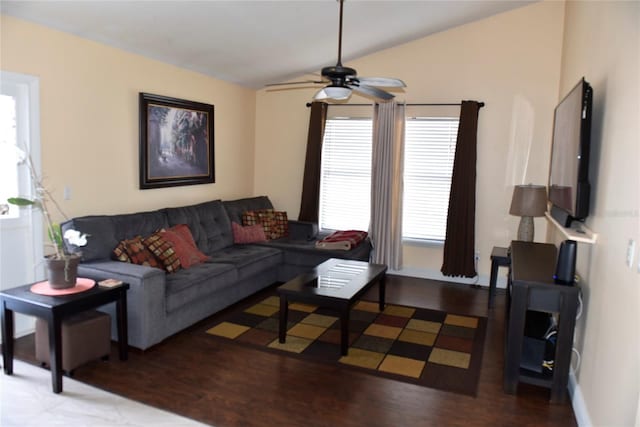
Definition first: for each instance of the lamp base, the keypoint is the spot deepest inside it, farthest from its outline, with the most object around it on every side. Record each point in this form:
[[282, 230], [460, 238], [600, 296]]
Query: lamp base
[[526, 229]]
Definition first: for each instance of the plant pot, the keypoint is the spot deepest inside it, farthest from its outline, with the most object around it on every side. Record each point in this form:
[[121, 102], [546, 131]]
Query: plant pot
[[62, 272]]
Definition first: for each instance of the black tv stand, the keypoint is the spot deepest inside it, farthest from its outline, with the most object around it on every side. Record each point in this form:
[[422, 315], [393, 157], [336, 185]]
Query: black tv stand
[[561, 216], [532, 288]]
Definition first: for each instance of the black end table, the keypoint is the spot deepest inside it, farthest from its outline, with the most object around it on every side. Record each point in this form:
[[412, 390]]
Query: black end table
[[54, 309]]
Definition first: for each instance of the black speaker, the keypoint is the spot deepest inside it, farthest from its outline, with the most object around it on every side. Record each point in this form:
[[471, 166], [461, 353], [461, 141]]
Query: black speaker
[[566, 265]]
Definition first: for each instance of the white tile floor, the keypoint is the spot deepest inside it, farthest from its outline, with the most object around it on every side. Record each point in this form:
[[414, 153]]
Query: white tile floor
[[26, 400]]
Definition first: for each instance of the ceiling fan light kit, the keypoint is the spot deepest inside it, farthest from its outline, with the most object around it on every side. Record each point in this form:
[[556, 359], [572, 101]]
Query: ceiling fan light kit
[[333, 92], [344, 80]]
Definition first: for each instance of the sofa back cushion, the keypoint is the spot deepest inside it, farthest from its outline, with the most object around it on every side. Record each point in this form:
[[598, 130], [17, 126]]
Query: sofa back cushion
[[235, 208], [106, 231], [208, 222]]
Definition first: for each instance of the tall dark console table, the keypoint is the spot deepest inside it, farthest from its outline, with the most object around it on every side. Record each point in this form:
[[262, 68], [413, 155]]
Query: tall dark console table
[[532, 288]]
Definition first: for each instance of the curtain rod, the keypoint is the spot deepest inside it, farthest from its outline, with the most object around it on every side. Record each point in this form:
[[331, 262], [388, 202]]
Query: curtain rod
[[481, 104]]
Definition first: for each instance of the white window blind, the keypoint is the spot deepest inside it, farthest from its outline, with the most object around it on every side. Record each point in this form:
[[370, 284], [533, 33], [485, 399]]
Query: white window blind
[[430, 145], [345, 183]]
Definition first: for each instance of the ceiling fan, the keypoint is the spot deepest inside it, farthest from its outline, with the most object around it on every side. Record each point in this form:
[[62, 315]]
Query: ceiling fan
[[344, 80]]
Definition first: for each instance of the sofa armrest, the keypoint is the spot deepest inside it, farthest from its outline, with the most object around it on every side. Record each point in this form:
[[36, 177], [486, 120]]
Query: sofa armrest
[[146, 302], [302, 230]]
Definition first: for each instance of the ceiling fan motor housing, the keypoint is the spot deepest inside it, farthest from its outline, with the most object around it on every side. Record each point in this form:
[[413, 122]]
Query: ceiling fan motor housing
[[338, 74]]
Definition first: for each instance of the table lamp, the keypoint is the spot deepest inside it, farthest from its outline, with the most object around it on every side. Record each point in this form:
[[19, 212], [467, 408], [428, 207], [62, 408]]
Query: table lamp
[[528, 201]]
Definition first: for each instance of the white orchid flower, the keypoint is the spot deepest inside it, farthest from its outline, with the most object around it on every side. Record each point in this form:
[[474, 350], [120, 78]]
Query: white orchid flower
[[75, 237]]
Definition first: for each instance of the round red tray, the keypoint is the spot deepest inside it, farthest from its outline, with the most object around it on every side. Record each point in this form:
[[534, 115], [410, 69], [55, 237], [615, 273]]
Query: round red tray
[[82, 285]]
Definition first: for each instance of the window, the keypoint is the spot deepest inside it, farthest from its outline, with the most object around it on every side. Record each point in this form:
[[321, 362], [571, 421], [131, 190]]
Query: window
[[430, 146], [345, 178], [428, 164]]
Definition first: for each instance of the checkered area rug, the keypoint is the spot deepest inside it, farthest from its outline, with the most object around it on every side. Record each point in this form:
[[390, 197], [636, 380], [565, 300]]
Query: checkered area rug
[[421, 346]]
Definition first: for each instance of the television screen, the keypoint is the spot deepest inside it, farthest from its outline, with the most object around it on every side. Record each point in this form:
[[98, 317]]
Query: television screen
[[568, 175]]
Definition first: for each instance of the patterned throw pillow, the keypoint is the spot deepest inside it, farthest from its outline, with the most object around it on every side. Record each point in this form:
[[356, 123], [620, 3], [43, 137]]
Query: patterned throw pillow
[[139, 254], [163, 251], [275, 223], [248, 234], [120, 252], [184, 246]]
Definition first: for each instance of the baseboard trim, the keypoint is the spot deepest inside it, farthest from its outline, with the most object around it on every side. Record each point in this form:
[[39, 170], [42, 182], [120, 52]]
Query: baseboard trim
[[577, 401], [423, 273]]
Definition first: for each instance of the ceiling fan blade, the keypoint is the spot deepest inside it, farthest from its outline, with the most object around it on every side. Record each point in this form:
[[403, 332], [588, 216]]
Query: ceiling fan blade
[[297, 83], [381, 82], [372, 92], [333, 92]]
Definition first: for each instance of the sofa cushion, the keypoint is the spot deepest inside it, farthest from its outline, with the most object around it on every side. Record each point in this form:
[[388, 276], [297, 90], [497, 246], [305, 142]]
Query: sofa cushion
[[249, 259], [198, 282], [208, 223], [106, 231], [248, 234]]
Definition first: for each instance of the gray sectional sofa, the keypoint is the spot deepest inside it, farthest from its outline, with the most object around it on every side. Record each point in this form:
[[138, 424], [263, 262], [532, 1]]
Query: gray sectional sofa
[[160, 304]]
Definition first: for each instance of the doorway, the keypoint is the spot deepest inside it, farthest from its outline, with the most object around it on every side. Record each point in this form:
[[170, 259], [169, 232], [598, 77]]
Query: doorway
[[21, 230]]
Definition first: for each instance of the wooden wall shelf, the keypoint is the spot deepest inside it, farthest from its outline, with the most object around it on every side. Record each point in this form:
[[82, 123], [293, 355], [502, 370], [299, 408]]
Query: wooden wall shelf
[[579, 233]]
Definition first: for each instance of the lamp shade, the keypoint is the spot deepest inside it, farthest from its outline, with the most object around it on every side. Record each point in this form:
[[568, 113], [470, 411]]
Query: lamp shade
[[529, 200]]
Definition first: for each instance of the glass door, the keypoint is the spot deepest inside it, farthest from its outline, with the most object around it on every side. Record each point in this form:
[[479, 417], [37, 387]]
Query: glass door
[[21, 242]]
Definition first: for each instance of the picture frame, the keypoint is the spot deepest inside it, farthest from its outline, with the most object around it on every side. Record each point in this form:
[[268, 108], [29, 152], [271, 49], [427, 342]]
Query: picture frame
[[176, 142]]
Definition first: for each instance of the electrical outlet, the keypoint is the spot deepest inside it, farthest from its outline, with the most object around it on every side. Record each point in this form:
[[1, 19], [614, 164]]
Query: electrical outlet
[[477, 256]]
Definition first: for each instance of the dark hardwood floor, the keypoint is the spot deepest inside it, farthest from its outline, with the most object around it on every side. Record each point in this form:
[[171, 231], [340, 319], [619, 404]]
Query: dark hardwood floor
[[230, 385]]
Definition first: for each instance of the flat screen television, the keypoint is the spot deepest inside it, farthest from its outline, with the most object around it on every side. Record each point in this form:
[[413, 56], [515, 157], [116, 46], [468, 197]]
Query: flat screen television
[[569, 186]]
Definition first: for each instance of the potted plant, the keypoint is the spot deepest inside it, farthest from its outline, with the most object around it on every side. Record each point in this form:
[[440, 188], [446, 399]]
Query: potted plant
[[61, 264]]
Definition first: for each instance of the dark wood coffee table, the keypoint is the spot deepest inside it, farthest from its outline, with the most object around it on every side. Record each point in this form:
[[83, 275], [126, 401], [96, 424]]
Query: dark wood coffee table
[[335, 284]]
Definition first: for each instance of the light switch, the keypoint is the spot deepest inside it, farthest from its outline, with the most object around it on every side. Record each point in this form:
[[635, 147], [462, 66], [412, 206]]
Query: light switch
[[67, 192], [631, 251]]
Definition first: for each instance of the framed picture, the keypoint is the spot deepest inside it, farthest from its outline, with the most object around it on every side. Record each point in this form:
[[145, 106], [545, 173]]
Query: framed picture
[[176, 142]]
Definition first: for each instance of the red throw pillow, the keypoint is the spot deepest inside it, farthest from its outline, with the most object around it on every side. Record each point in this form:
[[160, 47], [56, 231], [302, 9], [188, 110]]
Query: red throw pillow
[[248, 234], [184, 246]]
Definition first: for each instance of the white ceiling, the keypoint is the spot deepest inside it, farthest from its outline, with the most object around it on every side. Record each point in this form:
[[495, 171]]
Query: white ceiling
[[252, 43]]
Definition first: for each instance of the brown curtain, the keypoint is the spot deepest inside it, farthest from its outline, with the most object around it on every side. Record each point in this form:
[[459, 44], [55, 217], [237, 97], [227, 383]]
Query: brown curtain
[[309, 202], [459, 244]]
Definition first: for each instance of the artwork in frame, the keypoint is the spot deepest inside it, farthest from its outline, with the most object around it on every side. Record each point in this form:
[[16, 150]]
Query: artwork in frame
[[176, 142]]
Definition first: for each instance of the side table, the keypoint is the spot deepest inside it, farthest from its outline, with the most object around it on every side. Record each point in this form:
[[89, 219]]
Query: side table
[[533, 288], [53, 309], [499, 258]]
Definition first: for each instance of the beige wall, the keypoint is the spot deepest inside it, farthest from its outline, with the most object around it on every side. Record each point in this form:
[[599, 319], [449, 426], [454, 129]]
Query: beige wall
[[602, 43], [510, 61], [89, 120]]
